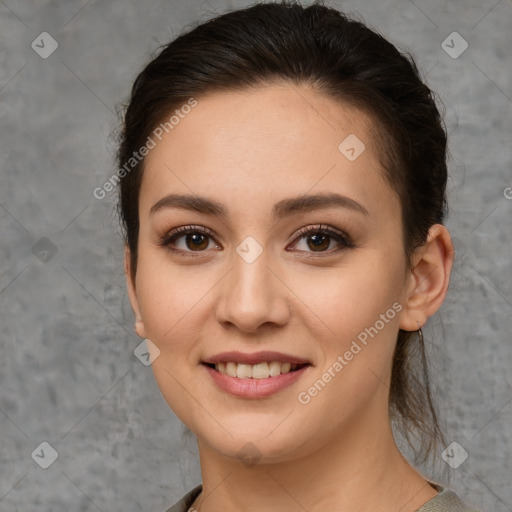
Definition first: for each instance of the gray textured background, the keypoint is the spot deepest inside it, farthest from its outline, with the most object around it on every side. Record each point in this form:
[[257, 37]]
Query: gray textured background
[[68, 374]]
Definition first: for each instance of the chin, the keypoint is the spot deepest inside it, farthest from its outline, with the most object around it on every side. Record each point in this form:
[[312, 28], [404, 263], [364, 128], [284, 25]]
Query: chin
[[255, 442]]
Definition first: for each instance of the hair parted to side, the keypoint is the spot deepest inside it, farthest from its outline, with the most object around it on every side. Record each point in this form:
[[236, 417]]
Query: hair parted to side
[[318, 46]]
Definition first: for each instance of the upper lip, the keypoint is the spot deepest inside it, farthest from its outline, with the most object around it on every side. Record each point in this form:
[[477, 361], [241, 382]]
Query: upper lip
[[255, 358]]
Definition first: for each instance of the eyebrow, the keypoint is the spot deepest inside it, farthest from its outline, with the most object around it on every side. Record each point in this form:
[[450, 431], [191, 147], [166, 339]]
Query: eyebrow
[[282, 209]]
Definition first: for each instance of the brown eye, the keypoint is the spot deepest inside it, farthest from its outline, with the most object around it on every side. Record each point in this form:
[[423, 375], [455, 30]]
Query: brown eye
[[196, 241], [320, 242], [187, 239], [318, 239]]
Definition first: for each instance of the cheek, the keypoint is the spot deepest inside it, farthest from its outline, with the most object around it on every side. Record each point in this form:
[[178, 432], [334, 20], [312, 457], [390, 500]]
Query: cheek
[[355, 353], [359, 306], [171, 300], [336, 303], [352, 297]]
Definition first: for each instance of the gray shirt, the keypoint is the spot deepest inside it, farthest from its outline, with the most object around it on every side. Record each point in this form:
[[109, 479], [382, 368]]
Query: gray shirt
[[445, 501]]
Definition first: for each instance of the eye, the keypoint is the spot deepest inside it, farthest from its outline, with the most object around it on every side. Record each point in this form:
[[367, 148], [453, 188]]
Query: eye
[[319, 239], [195, 239]]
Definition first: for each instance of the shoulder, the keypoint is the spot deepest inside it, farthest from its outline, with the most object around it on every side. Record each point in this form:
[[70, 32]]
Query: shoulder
[[186, 501], [446, 501]]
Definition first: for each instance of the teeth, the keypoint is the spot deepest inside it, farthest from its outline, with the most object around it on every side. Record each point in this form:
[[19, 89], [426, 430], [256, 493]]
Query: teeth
[[230, 369], [243, 371], [255, 371], [260, 371], [274, 368]]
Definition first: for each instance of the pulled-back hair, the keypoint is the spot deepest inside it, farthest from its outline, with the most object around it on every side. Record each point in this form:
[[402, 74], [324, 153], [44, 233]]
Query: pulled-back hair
[[317, 46]]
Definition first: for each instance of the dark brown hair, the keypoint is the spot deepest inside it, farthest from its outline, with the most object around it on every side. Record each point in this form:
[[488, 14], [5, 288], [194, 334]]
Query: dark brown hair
[[344, 59]]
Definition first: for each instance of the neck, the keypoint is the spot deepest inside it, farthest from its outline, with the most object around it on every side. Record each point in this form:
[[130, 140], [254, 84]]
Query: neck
[[360, 470]]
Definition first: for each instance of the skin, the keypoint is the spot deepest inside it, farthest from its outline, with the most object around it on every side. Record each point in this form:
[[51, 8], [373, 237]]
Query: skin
[[249, 150]]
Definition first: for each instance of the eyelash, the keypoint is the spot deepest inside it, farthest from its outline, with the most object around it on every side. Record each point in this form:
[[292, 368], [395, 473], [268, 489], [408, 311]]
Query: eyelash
[[342, 238]]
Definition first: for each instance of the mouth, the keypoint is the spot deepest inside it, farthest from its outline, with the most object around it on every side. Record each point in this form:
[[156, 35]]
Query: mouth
[[263, 370], [256, 375]]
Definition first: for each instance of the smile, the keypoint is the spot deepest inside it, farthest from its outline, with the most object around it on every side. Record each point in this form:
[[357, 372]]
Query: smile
[[255, 371], [255, 375]]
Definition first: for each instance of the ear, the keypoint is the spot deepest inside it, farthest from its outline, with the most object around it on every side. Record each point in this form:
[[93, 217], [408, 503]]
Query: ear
[[428, 279], [132, 294]]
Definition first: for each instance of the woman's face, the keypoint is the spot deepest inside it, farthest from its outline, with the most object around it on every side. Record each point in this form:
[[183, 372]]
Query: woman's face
[[254, 283]]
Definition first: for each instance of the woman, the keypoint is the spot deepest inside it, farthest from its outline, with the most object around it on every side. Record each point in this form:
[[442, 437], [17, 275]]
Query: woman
[[282, 189]]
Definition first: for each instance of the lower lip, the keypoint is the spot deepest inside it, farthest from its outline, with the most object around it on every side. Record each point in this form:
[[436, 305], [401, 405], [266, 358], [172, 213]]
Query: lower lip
[[254, 388]]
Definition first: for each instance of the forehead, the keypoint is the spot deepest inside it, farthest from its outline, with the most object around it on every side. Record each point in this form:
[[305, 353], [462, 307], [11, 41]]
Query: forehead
[[265, 143]]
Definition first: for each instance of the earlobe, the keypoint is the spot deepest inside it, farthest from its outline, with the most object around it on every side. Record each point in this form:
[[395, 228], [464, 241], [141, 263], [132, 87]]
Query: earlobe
[[429, 278], [132, 294]]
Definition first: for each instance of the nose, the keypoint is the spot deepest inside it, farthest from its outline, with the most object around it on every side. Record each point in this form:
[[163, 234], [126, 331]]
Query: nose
[[253, 296]]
